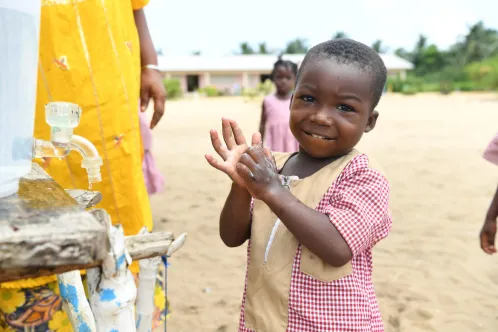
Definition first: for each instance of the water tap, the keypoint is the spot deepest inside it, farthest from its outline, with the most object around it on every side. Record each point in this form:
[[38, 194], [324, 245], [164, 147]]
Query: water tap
[[63, 117]]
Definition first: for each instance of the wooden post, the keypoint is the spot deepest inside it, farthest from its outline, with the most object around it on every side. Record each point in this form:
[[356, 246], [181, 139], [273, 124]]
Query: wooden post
[[75, 303], [112, 288], [145, 296]]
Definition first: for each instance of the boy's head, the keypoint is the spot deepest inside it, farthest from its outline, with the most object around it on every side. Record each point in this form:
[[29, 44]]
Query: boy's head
[[284, 76], [339, 84]]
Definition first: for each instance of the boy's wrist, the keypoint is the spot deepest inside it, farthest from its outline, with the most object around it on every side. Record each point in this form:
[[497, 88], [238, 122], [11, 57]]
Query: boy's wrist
[[274, 194], [490, 218]]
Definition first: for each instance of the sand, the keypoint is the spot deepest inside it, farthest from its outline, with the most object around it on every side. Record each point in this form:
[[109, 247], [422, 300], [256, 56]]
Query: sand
[[429, 274]]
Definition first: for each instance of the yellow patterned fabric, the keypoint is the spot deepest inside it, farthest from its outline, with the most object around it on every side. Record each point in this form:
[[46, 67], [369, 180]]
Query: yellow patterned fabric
[[90, 56], [40, 308]]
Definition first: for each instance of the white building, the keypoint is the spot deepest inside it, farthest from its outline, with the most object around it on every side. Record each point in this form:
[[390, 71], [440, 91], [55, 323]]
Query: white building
[[243, 71]]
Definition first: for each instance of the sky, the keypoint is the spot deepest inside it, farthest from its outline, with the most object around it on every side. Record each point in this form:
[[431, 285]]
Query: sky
[[217, 27]]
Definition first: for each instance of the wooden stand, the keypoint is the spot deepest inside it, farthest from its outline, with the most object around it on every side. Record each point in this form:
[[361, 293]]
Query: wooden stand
[[46, 230]]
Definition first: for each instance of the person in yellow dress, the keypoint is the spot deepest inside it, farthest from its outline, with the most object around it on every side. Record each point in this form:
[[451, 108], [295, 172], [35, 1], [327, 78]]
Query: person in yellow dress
[[97, 54]]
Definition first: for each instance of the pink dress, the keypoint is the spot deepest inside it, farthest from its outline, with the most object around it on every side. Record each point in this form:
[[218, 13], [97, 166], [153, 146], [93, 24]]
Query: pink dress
[[491, 152], [278, 136], [154, 181]]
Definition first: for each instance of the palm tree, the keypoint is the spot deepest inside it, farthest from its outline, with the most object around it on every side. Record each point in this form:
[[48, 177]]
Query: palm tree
[[340, 34], [245, 48], [263, 49], [378, 47]]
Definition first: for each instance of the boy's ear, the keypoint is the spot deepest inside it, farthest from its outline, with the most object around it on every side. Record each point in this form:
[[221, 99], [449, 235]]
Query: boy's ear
[[372, 121]]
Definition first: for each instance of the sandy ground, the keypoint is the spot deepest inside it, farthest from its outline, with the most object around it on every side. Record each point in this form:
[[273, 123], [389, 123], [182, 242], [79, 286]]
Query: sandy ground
[[430, 274]]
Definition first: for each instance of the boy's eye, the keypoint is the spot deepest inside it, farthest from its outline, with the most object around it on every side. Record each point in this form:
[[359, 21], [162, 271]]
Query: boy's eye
[[345, 108], [308, 99]]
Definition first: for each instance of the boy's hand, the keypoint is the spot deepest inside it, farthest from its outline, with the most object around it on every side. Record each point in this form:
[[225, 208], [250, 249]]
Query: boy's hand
[[235, 146], [487, 235], [259, 171]]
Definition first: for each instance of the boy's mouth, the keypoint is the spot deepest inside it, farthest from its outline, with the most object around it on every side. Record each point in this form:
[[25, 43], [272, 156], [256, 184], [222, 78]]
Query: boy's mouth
[[319, 136]]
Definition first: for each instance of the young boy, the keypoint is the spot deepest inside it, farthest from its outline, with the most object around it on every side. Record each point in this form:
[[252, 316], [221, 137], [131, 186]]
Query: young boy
[[311, 217]]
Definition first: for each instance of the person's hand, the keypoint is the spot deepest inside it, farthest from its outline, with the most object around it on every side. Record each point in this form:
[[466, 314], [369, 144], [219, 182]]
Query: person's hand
[[259, 171], [487, 236], [235, 146], [152, 87]]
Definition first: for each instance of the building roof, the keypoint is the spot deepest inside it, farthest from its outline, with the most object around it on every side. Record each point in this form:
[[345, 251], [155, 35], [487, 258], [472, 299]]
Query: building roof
[[257, 62]]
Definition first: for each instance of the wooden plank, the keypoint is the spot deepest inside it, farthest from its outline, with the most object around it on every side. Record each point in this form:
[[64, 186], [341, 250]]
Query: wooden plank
[[138, 245], [42, 228]]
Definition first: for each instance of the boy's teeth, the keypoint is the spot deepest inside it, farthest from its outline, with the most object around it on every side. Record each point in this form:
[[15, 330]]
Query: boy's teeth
[[317, 136]]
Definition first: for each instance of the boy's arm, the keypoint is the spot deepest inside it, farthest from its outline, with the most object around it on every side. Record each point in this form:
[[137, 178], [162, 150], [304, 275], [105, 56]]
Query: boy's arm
[[311, 228], [488, 231], [235, 219], [354, 220]]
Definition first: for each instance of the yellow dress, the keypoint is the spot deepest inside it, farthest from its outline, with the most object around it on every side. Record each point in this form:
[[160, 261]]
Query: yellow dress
[[90, 56]]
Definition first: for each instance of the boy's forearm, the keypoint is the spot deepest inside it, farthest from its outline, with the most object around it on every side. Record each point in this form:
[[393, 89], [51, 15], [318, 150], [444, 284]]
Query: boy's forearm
[[235, 219], [311, 228], [148, 55], [493, 208]]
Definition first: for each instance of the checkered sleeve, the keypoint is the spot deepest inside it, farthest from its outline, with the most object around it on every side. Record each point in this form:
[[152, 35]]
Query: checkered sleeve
[[491, 152], [358, 206]]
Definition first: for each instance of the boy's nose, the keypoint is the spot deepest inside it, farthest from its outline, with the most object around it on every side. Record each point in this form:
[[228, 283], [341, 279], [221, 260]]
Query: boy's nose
[[323, 117]]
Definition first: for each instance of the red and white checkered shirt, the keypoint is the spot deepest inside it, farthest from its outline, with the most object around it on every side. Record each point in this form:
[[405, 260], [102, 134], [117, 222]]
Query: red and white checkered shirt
[[357, 205]]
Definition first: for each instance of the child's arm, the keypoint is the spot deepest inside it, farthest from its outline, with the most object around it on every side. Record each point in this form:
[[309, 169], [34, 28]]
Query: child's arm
[[488, 231], [262, 124], [235, 219], [352, 224]]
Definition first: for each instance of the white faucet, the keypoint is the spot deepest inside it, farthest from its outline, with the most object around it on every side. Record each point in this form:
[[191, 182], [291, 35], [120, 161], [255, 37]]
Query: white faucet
[[63, 117]]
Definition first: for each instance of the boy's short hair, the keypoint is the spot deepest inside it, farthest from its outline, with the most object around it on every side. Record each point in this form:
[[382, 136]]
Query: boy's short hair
[[351, 52]]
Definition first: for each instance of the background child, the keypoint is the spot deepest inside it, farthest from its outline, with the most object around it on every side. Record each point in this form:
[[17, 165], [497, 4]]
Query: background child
[[274, 126], [311, 217], [154, 180], [488, 231]]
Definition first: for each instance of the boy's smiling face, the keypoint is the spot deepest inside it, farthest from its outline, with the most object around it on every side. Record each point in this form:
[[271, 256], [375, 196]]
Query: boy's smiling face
[[331, 108]]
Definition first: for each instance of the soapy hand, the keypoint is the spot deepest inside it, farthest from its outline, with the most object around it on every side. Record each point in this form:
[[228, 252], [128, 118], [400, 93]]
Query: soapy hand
[[231, 153], [259, 171]]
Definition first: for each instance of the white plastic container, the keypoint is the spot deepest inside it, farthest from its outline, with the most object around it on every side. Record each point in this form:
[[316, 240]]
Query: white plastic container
[[19, 39]]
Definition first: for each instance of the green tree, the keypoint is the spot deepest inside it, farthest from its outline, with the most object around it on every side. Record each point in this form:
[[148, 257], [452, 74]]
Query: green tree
[[196, 53], [378, 47], [245, 48], [430, 60], [485, 72], [297, 46], [262, 48], [480, 43], [418, 51]]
